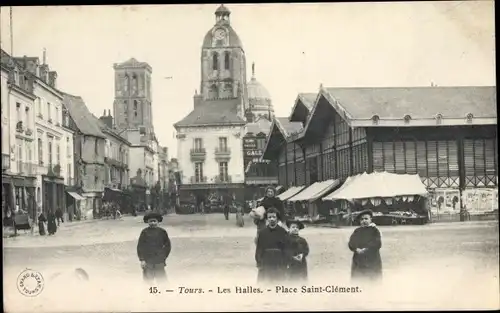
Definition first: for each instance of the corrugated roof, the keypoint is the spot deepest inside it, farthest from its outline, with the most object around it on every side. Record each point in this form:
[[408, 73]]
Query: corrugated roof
[[84, 120], [213, 112], [288, 127], [418, 102]]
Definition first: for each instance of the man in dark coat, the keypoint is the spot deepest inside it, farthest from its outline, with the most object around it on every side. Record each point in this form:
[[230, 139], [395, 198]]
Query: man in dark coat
[[59, 216], [365, 243], [297, 253], [153, 248], [271, 251], [41, 224]]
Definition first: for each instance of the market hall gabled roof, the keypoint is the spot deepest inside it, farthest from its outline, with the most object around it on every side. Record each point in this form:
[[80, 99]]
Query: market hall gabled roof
[[281, 129], [213, 113], [303, 106]]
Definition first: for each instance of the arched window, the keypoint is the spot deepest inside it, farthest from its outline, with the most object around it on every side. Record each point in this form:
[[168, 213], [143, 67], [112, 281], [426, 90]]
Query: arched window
[[227, 60], [215, 61]]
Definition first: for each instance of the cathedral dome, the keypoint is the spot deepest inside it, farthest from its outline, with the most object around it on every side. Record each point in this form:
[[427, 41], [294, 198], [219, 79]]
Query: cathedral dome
[[227, 36], [259, 98]]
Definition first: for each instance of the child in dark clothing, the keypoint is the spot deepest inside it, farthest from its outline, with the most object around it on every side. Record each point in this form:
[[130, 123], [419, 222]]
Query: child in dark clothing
[[298, 251], [153, 248]]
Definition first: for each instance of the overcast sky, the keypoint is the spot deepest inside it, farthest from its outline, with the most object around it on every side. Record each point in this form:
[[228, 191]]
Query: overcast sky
[[295, 47]]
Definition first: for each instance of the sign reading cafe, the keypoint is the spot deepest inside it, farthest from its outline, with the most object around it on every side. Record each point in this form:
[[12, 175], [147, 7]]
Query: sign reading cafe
[[254, 153]]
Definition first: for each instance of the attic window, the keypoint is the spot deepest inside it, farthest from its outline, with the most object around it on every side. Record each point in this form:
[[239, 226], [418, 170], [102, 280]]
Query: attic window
[[407, 119], [375, 119], [469, 118]]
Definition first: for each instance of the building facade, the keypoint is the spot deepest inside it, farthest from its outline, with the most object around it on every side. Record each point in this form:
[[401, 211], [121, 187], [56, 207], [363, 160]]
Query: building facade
[[210, 138], [89, 157], [447, 135], [19, 170], [116, 159]]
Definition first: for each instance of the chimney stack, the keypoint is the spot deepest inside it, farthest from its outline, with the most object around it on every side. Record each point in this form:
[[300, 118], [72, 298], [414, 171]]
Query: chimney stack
[[53, 79], [107, 119], [44, 59]]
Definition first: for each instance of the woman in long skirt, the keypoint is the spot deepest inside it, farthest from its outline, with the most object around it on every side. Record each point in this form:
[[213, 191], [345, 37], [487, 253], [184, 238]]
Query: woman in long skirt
[[51, 223], [41, 224], [239, 216]]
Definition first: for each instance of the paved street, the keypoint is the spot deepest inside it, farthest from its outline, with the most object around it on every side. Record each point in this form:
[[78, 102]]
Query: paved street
[[432, 266]]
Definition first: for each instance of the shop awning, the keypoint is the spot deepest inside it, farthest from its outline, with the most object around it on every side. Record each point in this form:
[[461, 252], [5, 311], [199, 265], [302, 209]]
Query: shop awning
[[75, 195], [113, 189], [315, 191], [379, 185], [290, 193]]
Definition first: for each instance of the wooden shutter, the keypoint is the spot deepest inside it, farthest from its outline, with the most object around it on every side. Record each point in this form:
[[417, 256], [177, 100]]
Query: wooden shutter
[[389, 157], [378, 156], [421, 159], [410, 157], [489, 149], [399, 157], [469, 162], [442, 162], [432, 163], [479, 162]]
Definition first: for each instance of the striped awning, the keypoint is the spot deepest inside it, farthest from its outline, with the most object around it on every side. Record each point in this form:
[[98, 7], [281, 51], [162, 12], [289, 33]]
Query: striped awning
[[315, 191], [290, 193]]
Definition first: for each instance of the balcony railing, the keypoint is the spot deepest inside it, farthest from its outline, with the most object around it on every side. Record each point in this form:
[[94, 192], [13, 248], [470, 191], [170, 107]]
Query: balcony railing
[[5, 162], [222, 153], [198, 180], [198, 154], [27, 169], [222, 179]]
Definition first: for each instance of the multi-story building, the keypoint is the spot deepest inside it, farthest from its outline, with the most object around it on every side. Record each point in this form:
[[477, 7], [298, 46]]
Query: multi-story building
[[133, 119], [89, 154], [117, 148], [446, 135], [210, 137], [19, 169]]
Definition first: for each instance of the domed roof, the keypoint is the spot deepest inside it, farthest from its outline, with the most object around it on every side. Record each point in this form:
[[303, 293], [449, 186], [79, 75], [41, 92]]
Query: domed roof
[[255, 89], [234, 40], [222, 9]]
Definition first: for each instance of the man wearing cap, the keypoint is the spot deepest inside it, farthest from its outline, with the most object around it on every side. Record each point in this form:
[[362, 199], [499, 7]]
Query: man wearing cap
[[153, 248], [365, 243], [272, 248]]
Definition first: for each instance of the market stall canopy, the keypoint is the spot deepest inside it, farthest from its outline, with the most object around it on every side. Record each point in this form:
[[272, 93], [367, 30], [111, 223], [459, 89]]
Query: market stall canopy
[[290, 193], [379, 185], [315, 191], [75, 195]]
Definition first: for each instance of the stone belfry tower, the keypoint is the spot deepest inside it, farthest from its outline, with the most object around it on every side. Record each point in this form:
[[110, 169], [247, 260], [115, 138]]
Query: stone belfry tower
[[132, 106], [223, 62]]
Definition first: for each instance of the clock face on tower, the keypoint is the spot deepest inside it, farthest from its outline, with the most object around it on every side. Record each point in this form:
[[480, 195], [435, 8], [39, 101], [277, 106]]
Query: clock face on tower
[[220, 34]]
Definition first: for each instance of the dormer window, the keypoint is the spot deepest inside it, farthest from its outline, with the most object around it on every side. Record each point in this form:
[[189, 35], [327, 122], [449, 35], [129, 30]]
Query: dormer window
[[469, 118], [439, 118], [407, 119], [375, 119]]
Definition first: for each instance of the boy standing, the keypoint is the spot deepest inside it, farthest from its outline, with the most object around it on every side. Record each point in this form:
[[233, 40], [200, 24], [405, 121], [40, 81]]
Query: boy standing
[[153, 248], [298, 251]]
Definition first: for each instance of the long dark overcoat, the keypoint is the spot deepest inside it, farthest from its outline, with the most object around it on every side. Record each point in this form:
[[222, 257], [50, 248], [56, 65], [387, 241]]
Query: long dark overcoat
[[271, 254], [369, 263], [51, 223], [297, 270]]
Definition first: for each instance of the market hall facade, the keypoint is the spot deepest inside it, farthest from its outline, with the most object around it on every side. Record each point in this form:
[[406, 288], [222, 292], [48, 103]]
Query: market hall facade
[[446, 135]]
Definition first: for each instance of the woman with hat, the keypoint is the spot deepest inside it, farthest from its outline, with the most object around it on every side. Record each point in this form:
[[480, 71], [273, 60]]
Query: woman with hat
[[153, 248], [365, 243], [270, 201], [297, 253]]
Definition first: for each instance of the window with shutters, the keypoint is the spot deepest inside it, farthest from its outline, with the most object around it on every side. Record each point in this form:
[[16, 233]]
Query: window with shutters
[[388, 153], [410, 157], [399, 157], [421, 158]]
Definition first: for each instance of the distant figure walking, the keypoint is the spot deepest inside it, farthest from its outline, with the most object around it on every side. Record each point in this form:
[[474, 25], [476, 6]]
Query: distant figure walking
[[51, 223], [240, 222], [365, 243], [59, 216]]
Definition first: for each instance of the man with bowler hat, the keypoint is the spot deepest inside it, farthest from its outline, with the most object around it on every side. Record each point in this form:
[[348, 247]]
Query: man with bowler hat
[[153, 248], [365, 243]]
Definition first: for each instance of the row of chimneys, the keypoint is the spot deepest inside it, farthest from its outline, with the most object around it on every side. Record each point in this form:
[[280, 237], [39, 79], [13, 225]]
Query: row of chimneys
[[107, 119]]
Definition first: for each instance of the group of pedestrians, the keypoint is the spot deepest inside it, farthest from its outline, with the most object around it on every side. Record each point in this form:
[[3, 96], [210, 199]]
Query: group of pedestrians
[[280, 253], [53, 219]]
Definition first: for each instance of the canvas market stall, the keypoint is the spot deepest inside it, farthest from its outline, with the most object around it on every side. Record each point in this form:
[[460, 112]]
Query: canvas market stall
[[305, 202], [394, 198]]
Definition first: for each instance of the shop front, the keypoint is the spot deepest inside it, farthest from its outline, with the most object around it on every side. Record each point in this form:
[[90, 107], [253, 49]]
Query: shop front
[[18, 200], [74, 203]]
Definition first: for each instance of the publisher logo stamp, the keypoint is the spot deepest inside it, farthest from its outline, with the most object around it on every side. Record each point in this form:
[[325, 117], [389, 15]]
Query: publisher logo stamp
[[30, 283]]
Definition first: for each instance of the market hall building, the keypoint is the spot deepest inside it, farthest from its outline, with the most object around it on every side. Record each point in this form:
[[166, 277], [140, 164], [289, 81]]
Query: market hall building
[[446, 135]]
